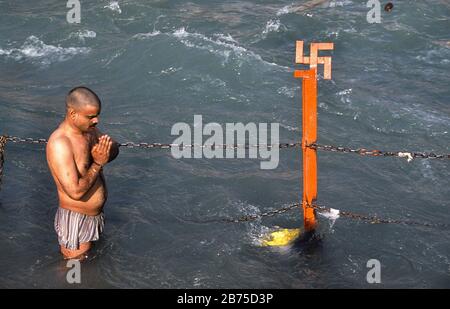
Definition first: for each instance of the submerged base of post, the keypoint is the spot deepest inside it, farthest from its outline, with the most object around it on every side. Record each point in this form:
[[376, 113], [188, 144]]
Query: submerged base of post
[[309, 217]]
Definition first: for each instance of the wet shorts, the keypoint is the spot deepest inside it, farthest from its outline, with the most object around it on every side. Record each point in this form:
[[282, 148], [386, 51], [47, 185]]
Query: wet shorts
[[74, 228]]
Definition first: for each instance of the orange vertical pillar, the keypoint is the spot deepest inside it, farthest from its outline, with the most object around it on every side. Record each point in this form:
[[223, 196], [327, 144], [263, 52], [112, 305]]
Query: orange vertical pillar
[[309, 129], [309, 124]]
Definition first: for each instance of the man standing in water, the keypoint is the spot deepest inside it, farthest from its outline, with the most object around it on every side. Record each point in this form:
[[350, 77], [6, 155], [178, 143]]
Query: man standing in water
[[76, 154]]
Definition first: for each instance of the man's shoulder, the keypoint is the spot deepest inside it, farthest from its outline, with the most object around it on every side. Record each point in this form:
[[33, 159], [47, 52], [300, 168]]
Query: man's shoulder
[[58, 141]]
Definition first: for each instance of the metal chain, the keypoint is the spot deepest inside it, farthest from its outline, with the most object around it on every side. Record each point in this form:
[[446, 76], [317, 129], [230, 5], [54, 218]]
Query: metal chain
[[346, 214], [270, 213], [377, 153], [213, 146], [330, 148], [249, 218], [377, 220], [29, 140], [2, 157]]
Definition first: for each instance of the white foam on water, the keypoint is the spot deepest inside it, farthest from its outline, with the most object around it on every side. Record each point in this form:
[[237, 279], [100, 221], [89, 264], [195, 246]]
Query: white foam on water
[[142, 36], [114, 6], [432, 56], [219, 44], [289, 92], [333, 34], [171, 70], [222, 45], [35, 49], [439, 133], [284, 10], [83, 34], [226, 38], [426, 117], [272, 26], [290, 128], [256, 233], [396, 26], [309, 5], [155, 32], [334, 4], [345, 91], [111, 59], [344, 96], [427, 170], [6, 52], [222, 40], [255, 228]]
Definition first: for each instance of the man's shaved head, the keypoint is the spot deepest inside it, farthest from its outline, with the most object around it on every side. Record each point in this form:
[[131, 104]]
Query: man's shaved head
[[81, 96]]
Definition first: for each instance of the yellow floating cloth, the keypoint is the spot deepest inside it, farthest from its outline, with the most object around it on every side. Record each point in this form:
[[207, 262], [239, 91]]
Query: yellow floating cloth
[[281, 237]]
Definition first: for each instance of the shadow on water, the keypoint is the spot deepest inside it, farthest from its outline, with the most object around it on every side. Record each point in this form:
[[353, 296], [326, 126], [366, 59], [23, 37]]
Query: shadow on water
[[308, 243]]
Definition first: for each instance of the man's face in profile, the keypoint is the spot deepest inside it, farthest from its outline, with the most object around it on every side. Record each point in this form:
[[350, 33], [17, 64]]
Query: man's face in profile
[[87, 117]]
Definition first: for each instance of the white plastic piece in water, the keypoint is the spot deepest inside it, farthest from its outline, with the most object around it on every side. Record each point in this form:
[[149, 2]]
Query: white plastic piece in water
[[406, 155], [332, 214]]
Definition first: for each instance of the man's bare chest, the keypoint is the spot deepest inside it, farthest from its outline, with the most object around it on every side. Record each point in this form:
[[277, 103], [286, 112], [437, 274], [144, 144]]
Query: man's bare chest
[[81, 147]]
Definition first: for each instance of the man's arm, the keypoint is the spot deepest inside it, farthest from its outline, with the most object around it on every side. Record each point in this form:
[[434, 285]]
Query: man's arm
[[62, 163]]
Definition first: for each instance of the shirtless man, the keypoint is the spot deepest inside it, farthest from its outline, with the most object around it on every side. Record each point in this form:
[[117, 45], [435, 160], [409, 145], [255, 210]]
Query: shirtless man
[[76, 153]]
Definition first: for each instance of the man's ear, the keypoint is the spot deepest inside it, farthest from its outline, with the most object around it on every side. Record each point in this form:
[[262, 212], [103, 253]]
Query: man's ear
[[72, 113]]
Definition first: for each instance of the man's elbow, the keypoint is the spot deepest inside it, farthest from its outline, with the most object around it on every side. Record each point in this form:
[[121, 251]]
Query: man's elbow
[[75, 194]]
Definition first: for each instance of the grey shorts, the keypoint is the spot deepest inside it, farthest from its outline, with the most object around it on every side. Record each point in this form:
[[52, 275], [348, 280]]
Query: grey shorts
[[74, 228]]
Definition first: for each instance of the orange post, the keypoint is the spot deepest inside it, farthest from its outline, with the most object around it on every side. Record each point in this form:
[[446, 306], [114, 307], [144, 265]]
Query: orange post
[[309, 124], [309, 129]]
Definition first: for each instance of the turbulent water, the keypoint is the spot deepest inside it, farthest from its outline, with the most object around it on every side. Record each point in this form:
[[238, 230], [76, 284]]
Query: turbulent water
[[156, 63]]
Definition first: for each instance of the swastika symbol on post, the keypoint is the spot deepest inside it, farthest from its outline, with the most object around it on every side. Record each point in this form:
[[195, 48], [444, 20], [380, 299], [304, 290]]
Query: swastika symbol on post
[[313, 59]]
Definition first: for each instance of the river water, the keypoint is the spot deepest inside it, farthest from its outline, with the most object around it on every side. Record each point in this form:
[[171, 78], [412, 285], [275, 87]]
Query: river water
[[156, 63]]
